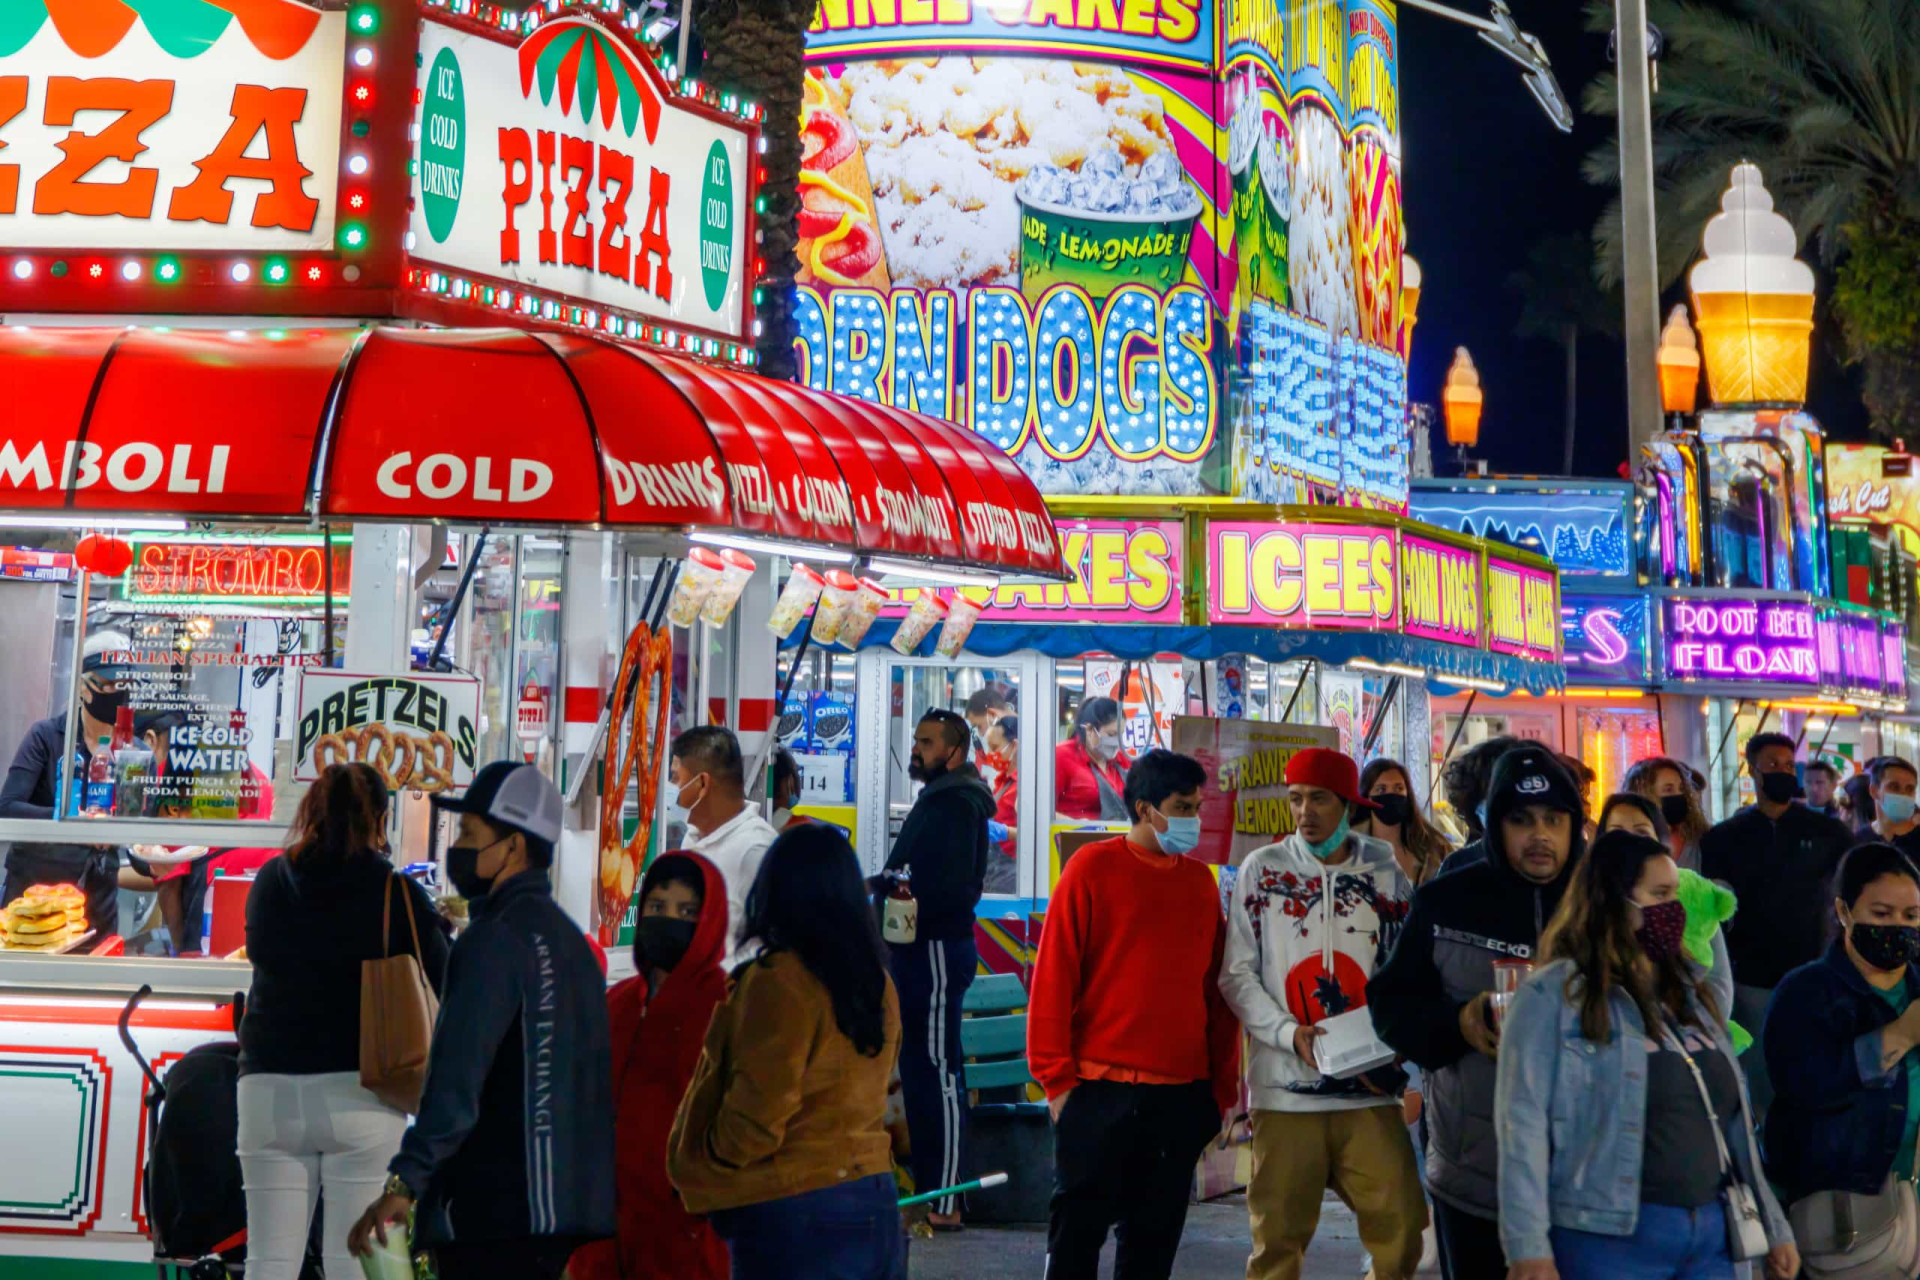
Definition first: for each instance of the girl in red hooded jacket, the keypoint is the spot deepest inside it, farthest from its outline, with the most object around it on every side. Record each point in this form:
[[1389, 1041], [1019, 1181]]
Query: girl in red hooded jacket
[[659, 1021]]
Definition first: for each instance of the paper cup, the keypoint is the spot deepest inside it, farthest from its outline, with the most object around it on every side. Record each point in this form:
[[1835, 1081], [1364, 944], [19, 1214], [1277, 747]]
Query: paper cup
[[868, 601], [698, 574], [835, 600], [962, 613], [928, 611], [803, 588], [726, 592], [389, 1261]]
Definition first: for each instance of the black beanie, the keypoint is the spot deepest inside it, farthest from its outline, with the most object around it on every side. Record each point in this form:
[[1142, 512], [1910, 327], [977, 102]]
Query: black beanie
[[1530, 775]]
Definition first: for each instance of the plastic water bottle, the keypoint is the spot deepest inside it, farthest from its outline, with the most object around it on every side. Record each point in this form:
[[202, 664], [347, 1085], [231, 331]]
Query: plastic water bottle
[[99, 799]]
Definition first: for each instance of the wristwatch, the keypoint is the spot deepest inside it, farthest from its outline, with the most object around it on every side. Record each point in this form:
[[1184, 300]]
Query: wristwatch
[[395, 1187]]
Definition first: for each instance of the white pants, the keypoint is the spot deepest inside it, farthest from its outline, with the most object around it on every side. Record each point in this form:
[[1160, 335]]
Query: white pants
[[299, 1134]]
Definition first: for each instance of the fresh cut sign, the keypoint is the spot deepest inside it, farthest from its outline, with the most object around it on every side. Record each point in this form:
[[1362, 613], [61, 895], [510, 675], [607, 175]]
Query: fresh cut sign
[[562, 164]]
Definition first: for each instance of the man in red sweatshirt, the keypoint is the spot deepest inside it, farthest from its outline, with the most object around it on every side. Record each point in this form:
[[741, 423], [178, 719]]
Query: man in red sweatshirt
[[1127, 1030]]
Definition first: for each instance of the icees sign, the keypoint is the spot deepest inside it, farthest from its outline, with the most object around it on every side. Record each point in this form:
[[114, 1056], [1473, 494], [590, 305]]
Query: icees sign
[[561, 163]]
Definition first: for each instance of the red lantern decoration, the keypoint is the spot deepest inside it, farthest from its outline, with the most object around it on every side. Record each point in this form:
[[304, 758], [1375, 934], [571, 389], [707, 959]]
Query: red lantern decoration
[[112, 557], [109, 556]]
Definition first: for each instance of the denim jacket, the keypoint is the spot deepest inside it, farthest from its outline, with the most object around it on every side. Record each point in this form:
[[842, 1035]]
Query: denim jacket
[[1570, 1117]]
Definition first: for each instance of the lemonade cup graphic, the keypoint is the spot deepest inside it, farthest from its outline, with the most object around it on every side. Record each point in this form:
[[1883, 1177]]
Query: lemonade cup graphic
[[1104, 227], [1258, 171]]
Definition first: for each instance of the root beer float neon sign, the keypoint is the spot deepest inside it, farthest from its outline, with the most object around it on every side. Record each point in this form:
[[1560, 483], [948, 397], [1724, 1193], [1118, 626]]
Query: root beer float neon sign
[[1767, 641]]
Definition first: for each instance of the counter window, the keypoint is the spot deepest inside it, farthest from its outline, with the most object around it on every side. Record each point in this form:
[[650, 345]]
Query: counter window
[[985, 699]]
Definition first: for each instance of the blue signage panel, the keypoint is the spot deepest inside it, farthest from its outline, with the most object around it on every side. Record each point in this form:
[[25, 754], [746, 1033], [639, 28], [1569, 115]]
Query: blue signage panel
[[1605, 638], [1583, 528]]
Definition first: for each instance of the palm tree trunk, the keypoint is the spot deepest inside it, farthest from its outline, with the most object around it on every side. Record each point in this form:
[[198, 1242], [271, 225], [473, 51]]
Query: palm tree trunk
[[1570, 338], [757, 48]]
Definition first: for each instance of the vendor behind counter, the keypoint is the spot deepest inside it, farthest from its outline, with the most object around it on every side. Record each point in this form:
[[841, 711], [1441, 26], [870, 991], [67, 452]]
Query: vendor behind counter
[[32, 787]]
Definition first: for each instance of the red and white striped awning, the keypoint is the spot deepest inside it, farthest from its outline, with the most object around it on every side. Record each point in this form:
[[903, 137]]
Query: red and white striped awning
[[491, 426]]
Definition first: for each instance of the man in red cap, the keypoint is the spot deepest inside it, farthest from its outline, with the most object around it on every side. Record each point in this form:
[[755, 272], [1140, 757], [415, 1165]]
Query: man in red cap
[[1309, 919]]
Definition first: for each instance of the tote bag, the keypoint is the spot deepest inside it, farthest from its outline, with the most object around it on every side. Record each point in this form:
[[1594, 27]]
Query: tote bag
[[397, 1009]]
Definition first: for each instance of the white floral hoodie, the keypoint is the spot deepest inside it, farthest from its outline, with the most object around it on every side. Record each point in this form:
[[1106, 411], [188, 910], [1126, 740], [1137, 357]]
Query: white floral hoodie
[[1296, 953]]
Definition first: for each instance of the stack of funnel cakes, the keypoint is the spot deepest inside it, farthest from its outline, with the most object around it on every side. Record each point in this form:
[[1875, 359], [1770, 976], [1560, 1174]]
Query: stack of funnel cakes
[[44, 918]]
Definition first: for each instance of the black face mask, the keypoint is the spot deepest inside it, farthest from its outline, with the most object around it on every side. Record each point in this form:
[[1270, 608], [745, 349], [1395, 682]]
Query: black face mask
[[104, 704], [463, 869], [1887, 947], [1673, 809], [1779, 787], [661, 942], [1392, 808]]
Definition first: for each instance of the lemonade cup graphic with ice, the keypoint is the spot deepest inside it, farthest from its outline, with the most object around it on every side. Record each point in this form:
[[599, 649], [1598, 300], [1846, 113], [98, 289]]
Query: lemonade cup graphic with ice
[[1105, 226], [1258, 171]]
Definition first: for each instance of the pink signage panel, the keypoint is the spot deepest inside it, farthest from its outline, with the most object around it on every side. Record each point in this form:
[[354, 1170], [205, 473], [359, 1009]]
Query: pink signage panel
[[1303, 575], [1123, 571], [1440, 591]]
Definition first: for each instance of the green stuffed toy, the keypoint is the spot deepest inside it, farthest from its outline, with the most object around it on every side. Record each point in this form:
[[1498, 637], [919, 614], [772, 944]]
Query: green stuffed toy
[[1709, 905]]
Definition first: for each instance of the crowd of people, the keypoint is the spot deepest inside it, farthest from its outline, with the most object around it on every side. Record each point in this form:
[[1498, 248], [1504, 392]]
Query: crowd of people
[[1597, 1040]]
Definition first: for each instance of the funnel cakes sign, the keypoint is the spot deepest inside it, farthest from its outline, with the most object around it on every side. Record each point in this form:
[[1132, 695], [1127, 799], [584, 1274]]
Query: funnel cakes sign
[[562, 164]]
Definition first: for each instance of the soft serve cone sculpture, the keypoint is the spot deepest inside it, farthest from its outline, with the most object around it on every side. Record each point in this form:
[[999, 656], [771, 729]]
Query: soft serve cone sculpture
[[1754, 300], [1679, 362], [1460, 401]]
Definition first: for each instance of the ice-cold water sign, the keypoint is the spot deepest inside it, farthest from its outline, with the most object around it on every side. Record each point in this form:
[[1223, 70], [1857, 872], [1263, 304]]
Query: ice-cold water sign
[[186, 125], [564, 165]]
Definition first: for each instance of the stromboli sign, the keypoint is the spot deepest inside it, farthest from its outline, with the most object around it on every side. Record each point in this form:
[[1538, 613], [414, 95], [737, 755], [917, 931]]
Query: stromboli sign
[[420, 730]]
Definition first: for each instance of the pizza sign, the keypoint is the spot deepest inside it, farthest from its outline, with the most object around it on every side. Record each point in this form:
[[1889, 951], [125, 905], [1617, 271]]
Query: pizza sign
[[188, 125], [563, 165]]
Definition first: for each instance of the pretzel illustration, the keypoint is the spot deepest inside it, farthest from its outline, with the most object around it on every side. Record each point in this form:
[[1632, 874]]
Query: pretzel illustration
[[420, 764], [646, 666]]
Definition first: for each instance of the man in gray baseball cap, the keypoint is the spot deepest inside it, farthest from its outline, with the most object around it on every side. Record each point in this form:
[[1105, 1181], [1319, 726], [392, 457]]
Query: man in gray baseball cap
[[510, 1162]]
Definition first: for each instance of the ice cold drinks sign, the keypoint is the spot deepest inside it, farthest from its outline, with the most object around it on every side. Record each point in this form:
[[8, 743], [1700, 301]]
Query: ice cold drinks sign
[[1762, 641]]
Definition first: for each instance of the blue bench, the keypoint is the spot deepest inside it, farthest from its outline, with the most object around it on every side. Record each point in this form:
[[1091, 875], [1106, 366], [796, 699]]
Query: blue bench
[[1005, 1130]]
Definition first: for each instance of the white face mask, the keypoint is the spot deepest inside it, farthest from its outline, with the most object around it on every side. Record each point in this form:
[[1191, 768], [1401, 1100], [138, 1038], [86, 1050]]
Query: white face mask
[[680, 796], [1105, 746]]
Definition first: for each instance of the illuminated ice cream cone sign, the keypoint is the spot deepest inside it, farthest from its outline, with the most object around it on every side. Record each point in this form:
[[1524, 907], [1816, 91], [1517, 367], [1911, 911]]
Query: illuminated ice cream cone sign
[[1460, 401], [1754, 300], [1679, 361]]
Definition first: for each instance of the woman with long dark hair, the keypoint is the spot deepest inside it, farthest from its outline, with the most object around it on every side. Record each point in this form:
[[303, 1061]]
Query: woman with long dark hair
[[1839, 1041], [779, 1139], [1625, 1131], [1418, 846], [1089, 768], [313, 915], [1669, 784]]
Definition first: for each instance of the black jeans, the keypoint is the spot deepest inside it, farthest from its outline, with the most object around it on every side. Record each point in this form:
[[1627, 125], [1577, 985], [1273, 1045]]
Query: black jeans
[[1123, 1159], [932, 977], [1469, 1245], [535, 1258]]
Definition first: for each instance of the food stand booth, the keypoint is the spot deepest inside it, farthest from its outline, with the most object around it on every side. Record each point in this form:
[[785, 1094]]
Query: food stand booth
[[390, 487]]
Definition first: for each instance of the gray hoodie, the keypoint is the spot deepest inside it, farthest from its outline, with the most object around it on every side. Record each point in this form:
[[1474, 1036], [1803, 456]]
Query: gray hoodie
[[1296, 954]]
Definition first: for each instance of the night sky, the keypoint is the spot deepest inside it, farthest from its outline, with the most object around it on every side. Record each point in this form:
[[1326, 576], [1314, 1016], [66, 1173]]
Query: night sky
[[1487, 175]]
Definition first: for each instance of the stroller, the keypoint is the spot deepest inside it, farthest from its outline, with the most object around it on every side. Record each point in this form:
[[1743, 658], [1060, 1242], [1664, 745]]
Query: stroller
[[195, 1203], [191, 1193]]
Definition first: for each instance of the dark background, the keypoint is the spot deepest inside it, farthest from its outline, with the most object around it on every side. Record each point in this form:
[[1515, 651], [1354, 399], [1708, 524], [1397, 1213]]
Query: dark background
[[1486, 175]]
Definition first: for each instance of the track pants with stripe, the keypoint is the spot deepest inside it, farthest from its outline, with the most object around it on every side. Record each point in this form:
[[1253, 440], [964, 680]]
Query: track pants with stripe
[[932, 977]]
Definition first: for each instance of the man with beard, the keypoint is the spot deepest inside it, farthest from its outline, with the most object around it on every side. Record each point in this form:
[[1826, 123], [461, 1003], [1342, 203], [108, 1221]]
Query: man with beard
[[1432, 1001], [943, 849], [1778, 857]]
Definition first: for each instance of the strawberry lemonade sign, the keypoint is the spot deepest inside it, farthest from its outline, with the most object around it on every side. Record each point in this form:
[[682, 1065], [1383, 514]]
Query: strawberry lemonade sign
[[562, 164], [126, 124]]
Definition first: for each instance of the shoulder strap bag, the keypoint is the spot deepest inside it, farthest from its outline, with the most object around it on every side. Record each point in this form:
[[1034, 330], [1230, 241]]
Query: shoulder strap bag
[[1843, 1235], [1746, 1229], [397, 1009]]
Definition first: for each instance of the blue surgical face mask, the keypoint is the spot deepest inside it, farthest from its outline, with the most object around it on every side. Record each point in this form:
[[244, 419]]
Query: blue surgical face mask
[[1895, 808], [1331, 845], [1181, 836]]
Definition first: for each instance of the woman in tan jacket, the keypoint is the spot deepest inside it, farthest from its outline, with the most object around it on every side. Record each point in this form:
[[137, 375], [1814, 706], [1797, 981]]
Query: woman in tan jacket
[[779, 1139]]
